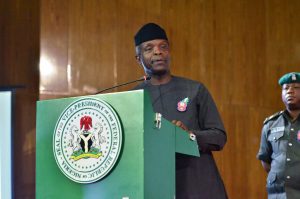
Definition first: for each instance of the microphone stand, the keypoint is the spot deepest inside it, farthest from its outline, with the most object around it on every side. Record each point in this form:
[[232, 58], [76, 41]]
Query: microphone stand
[[137, 80]]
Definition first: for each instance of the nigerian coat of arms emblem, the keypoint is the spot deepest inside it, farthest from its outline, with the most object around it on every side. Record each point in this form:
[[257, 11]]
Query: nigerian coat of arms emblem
[[87, 140]]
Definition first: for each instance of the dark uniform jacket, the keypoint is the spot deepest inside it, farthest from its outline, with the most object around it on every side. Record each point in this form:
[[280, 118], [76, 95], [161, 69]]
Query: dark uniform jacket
[[196, 177], [280, 147]]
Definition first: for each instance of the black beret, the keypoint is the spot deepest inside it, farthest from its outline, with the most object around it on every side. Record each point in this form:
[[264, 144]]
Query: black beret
[[149, 31], [289, 78]]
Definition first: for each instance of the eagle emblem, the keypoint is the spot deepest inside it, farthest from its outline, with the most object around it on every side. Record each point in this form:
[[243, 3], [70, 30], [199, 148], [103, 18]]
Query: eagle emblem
[[86, 141]]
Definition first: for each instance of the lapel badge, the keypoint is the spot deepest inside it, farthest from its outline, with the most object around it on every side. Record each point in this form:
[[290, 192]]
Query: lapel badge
[[182, 105], [298, 136]]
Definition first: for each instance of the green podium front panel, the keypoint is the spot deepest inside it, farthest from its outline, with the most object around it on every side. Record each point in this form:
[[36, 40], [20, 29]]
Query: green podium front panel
[[145, 168]]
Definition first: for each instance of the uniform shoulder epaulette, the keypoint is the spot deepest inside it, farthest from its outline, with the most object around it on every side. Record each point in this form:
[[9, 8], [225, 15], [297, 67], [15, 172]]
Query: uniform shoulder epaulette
[[274, 116]]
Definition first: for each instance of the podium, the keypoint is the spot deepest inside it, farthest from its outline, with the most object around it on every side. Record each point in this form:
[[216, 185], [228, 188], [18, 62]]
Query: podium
[[140, 162]]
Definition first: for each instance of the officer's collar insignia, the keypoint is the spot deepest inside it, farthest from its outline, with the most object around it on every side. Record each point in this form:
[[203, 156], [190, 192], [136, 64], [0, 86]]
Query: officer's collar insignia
[[182, 105], [298, 136]]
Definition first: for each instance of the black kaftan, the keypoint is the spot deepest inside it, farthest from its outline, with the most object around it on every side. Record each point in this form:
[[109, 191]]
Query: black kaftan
[[196, 177]]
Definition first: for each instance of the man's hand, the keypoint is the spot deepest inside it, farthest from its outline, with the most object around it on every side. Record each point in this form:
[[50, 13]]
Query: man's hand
[[181, 125], [266, 166]]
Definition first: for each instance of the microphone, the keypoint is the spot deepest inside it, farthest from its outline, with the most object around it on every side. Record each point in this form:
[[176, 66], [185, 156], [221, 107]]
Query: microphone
[[144, 78]]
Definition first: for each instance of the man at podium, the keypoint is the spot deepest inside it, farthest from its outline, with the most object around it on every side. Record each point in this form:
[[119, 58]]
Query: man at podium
[[189, 105]]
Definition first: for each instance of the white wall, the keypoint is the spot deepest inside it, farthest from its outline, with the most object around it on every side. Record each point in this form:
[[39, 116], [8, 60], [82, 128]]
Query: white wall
[[5, 145]]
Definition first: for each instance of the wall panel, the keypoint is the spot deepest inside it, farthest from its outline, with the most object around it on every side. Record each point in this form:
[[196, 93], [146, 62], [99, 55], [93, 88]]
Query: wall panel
[[239, 49], [19, 58]]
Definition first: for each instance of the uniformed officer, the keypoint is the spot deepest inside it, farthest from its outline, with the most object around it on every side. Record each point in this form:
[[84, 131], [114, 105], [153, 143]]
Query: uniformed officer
[[280, 143]]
